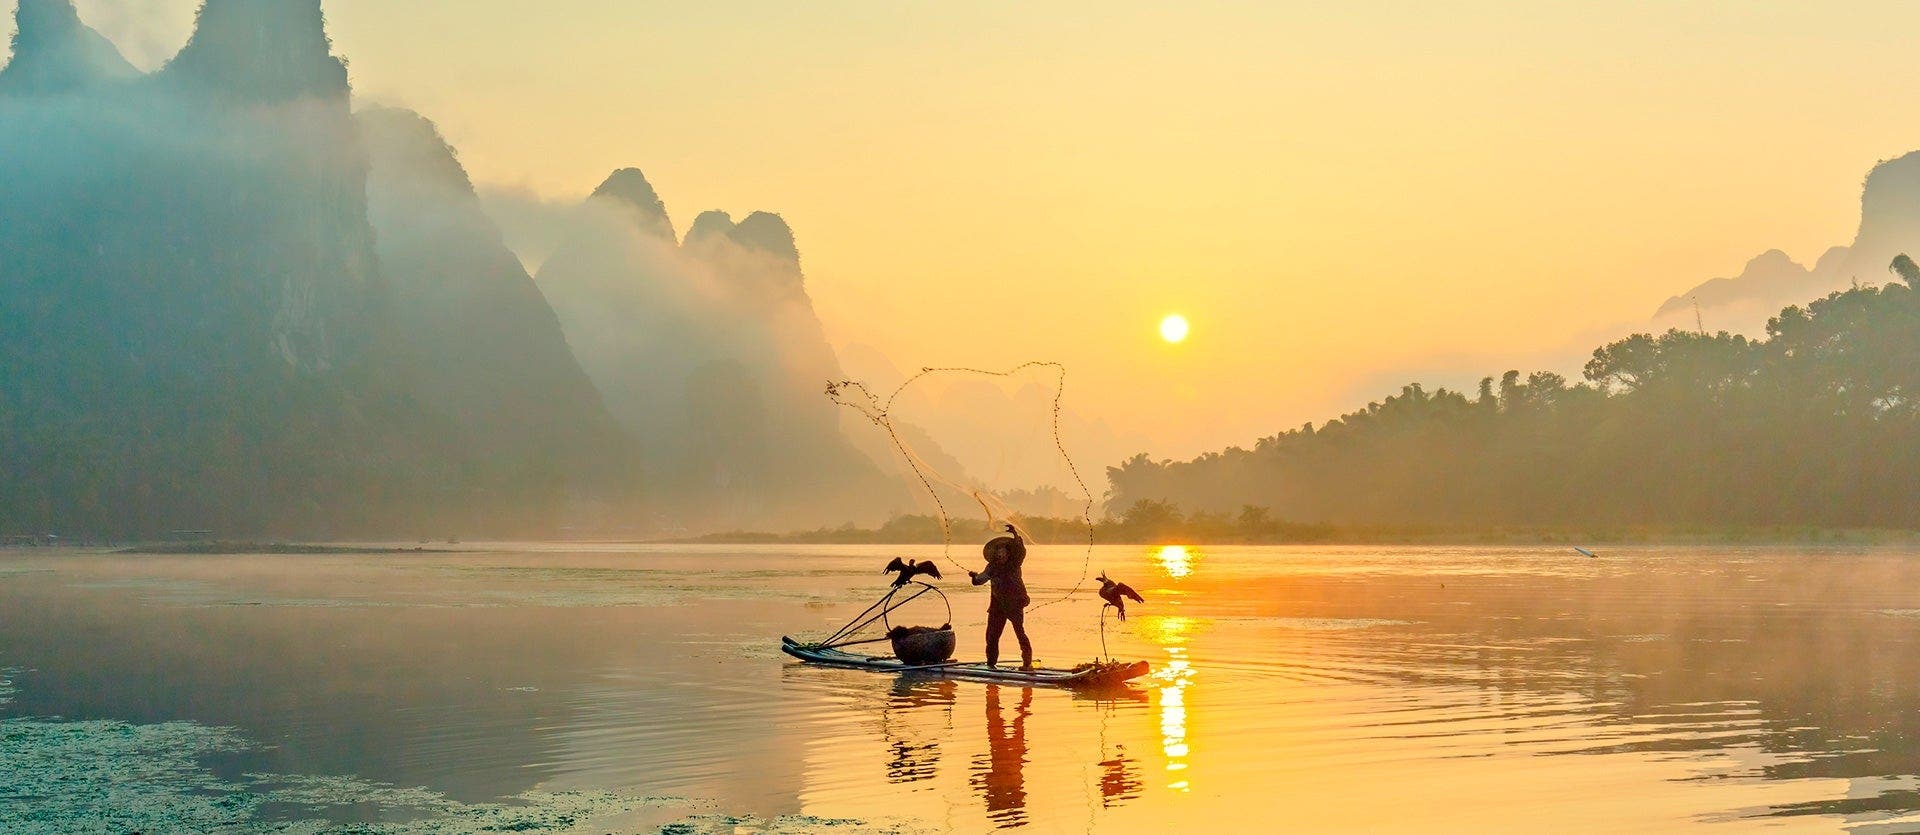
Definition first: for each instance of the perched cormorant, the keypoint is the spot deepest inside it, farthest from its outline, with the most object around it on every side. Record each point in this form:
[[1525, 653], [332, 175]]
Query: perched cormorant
[[909, 569], [1116, 595]]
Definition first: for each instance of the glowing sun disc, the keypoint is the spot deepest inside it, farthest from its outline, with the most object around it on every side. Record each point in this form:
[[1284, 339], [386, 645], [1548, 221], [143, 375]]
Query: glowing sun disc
[[1174, 328]]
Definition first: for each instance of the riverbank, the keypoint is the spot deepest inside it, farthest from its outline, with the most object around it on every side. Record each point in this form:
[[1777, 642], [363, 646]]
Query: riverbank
[[921, 530], [275, 548]]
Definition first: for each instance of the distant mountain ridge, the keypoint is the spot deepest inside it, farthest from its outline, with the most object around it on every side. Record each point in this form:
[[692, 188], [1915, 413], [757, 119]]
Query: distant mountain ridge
[[488, 349], [1889, 226], [628, 187], [206, 330], [260, 51], [710, 351], [234, 304], [53, 52]]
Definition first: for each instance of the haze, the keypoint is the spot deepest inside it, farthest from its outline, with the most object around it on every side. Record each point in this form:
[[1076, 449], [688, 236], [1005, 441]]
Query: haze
[[1340, 199]]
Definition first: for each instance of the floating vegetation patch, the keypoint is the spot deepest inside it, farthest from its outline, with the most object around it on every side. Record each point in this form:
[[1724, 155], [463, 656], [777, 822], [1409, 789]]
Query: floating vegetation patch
[[1335, 624], [105, 776], [557, 573], [431, 813], [557, 598], [74, 777], [783, 825], [196, 593], [17, 570], [271, 548]]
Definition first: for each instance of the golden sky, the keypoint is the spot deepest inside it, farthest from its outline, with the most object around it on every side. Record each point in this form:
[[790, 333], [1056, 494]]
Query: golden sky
[[1341, 196]]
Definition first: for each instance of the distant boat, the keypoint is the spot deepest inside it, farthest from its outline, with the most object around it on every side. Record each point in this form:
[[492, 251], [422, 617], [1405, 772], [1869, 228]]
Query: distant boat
[[1585, 551]]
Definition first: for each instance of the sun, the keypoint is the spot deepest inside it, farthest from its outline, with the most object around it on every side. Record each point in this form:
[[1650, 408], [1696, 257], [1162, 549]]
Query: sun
[[1174, 328]]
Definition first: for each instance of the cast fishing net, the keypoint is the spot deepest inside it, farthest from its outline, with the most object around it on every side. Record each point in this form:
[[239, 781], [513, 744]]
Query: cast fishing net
[[881, 411]]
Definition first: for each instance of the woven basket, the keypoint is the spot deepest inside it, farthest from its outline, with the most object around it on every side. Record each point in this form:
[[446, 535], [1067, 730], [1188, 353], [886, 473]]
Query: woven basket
[[922, 645]]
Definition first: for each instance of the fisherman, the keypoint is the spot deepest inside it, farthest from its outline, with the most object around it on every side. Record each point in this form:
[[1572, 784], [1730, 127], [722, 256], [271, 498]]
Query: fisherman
[[1008, 603]]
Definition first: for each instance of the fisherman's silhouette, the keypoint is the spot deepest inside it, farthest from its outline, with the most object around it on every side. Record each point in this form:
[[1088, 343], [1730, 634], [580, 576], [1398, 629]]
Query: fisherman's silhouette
[[1008, 603], [1003, 782]]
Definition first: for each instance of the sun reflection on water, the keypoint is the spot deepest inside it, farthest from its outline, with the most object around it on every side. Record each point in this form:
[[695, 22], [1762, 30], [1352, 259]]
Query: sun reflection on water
[[1174, 680], [1177, 560], [1170, 632], [1176, 677]]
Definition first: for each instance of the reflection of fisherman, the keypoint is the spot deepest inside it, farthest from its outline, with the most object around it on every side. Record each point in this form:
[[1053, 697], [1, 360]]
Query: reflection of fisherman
[[1009, 595], [1004, 783]]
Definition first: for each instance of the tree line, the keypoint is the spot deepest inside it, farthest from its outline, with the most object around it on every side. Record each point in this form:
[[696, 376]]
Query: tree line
[[1817, 425]]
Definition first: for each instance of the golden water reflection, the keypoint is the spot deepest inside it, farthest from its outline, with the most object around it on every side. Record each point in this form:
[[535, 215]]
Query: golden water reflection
[[1337, 689], [914, 747], [1119, 779], [1177, 676], [1177, 560], [999, 775], [1174, 677]]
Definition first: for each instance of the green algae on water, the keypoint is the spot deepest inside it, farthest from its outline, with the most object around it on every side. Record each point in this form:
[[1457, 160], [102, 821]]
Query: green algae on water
[[103, 776], [106, 776], [534, 811]]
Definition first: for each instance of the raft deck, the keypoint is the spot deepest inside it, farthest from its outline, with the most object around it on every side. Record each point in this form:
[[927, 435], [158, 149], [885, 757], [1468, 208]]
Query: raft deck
[[1098, 674]]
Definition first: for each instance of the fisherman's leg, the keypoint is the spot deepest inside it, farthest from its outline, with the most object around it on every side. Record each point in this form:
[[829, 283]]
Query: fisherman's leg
[[1019, 621], [996, 622]]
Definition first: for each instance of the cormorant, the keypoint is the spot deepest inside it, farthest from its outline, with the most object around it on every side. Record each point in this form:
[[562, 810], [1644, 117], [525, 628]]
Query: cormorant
[[1116, 594], [909, 569]]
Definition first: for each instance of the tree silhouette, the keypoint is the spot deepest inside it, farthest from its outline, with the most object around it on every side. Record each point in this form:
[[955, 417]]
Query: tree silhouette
[[1816, 425]]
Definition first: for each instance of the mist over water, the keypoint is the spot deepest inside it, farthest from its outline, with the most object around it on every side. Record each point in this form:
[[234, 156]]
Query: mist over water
[[1328, 689], [244, 309]]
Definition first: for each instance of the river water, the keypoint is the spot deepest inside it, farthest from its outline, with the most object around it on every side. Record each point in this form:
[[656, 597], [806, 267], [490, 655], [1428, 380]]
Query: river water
[[640, 688]]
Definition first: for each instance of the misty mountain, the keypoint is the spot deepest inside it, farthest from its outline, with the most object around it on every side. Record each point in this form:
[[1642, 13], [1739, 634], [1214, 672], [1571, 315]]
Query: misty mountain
[[624, 300], [200, 331], [711, 354], [260, 51], [532, 225], [1743, 301], [1889, 226], [487, 348], [628, 192], [53, 52], [191, 296]]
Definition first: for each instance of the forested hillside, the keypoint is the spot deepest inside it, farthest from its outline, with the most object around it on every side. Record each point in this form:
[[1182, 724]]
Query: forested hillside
[[1817, 424]]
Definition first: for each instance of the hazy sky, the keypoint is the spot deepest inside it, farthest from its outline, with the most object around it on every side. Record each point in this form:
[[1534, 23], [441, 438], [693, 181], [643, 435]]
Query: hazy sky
[[1341, 196]]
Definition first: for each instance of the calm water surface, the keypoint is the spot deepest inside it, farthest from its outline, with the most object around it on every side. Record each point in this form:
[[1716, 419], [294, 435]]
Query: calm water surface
[[1315, 689]]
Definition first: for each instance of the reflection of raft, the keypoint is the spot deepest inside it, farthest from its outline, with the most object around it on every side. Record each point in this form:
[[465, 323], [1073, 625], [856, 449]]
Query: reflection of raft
[[1096, 674]]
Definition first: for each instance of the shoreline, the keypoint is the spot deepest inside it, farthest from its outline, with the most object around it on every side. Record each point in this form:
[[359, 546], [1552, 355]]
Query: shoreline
[[1688, 537], [272, 548], [1761, 537]]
